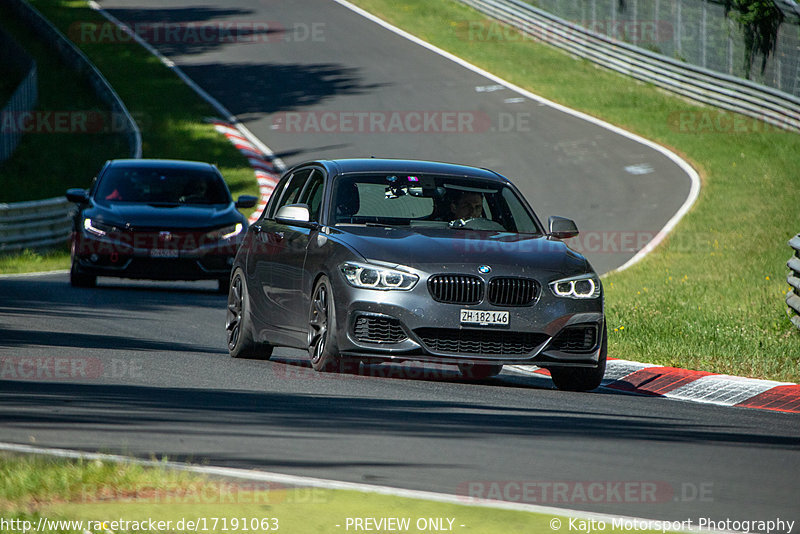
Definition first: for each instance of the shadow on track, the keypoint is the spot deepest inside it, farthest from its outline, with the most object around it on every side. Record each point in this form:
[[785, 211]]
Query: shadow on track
[[200, 413]]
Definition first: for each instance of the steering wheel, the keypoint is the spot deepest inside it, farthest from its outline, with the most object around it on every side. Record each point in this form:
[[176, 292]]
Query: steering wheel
[[477, 223]]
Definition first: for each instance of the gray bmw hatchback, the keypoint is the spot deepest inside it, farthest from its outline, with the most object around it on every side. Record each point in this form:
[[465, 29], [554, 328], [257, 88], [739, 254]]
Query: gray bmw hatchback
[[391, 260]]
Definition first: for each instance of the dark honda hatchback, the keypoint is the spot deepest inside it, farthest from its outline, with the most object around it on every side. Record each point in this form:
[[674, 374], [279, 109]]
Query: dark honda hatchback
[[389, 260], [156, 219]]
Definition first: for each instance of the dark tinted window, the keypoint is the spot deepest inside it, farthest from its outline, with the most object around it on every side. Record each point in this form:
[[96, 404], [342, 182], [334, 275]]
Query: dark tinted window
[[292, 190], [430, 201], [312, 195], [148, 185]]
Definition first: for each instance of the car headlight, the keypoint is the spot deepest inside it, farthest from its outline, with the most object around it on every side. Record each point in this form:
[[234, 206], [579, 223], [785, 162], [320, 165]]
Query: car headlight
[[374, 277], [586, 286], [97, 228], [226, 232]]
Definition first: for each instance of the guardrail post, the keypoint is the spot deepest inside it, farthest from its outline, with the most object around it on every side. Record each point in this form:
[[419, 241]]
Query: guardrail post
[[793, 297]]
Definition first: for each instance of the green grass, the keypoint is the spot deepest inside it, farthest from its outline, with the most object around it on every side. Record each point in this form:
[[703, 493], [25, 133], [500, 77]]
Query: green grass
[[712, 296], [171, 117], [46, 163], [93, 491]]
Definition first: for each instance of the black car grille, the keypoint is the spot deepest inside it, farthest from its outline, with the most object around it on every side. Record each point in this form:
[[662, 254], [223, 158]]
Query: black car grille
[[575, 339], [512, 291], [456, 288], [370, 329], [479, 342]]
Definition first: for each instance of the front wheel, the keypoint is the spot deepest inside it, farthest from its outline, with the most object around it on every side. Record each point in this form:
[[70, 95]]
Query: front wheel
[[239, 324], [582, 378], [322, 348], [77, 278]]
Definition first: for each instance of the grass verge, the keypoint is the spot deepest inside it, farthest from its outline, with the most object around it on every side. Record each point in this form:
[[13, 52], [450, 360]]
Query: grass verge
[[154, 500], [170, 115], [712, 296]]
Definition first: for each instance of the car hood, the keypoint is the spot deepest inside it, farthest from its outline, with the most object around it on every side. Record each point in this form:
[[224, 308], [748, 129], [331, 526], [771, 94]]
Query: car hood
[[430, 248], [140, 215]]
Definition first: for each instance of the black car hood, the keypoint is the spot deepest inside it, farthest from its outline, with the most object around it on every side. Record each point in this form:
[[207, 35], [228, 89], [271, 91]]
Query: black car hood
[[422, 248], [141, 215]]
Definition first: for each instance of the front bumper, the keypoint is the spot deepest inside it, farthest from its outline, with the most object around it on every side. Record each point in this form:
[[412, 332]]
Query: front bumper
[[148, 259], [411, 325]]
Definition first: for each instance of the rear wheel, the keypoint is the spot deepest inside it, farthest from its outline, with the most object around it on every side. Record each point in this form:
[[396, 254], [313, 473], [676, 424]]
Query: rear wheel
[[80, 279], [223, 285], [478, 371], [239, 324], [582, 378], [322, 348]]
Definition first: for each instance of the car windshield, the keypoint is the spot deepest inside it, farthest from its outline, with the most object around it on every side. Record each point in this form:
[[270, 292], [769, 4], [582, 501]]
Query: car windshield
[[162, 186], [434, 201]]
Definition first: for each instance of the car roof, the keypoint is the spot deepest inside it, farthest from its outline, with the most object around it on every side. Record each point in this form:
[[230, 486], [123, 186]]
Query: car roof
[[359, 165], [151, 163]]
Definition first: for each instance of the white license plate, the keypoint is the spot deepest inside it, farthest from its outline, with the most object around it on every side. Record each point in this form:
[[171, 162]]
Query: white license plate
[[484, 317], [164, 253]]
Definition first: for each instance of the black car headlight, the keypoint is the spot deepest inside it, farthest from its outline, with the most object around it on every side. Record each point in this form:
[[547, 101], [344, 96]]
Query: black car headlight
[[226, 232], [374, 277], [97, 228], [585, 286]]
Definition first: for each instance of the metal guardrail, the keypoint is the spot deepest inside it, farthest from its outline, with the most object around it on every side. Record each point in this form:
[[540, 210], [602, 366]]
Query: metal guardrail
[[37, 224], [707, 86], [793, 297], [77, 60], [45, 223], [24, 97]]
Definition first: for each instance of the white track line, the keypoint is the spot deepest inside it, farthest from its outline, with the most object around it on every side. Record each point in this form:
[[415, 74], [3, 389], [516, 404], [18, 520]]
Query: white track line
[[295, 480], [694, 190]]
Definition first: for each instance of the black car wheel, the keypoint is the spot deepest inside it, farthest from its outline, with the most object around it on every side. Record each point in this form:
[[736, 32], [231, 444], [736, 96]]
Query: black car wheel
[[322, 349], [239, 323], [582, 378], [80, 279], [477, 371], [223, 285]]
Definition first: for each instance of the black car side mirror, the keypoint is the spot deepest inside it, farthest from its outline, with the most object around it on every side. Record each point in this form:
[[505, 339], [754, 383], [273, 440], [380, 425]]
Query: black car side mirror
[[77, 195], [561, 227], [246, 201]]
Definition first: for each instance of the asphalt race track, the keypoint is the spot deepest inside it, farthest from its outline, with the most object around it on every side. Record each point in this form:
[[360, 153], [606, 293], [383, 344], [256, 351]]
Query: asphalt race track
[[142, 368]]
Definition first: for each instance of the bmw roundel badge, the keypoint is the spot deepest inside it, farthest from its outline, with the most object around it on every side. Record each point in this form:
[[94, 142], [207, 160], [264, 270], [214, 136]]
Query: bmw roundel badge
[[484, 269]]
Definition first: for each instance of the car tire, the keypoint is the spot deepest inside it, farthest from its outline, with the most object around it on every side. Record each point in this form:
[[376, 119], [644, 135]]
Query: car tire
[[582, 378], [239, 324], [479, 371], [322, 348], [223, 285], [80, 279]]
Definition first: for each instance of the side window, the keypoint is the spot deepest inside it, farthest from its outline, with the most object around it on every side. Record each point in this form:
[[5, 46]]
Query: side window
[[288, 191], [312, 195], [295, 187]]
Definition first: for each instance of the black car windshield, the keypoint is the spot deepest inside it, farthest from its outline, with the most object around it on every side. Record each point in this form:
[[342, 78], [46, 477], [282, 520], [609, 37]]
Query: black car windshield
[[162, 186], [433, 201]]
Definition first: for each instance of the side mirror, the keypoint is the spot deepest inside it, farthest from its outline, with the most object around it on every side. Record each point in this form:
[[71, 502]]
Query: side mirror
[[294, 214], [561, 227], [246, 201], [77, 195]]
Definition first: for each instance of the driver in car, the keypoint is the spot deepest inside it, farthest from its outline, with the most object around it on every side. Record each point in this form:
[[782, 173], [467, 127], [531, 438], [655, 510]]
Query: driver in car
[[467, 205]]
